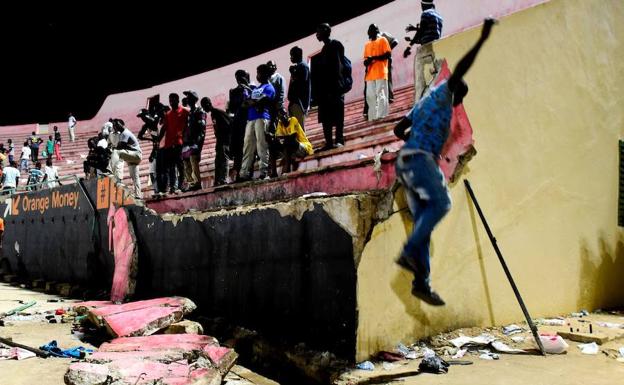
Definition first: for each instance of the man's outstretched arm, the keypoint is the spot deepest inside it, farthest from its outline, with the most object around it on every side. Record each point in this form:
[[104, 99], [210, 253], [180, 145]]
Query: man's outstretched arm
[[466, 62]]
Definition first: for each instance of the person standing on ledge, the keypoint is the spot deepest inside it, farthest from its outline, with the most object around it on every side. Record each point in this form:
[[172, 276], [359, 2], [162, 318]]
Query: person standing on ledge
[[425, 130], [71, 126]]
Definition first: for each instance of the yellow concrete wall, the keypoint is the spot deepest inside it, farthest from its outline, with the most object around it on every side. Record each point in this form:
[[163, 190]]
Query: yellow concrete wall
[[546, 103]]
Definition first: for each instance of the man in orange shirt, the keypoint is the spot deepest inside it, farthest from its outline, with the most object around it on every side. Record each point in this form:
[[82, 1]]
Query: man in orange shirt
[[376, 54], [172, 128]]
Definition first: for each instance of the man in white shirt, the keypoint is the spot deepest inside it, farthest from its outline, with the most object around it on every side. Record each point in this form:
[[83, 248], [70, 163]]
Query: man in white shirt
[[112, 137], [129, 151], [26, 151], [51, 174], [71, 126], [10, 176]]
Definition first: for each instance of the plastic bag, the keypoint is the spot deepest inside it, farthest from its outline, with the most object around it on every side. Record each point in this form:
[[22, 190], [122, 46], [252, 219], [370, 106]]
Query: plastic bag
[[553, 344]]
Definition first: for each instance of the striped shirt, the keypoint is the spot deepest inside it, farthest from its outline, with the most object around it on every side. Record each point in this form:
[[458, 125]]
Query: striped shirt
[[430, 27]]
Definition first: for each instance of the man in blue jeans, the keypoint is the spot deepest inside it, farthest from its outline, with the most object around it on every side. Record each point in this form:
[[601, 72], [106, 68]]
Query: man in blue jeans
[[425, 130]]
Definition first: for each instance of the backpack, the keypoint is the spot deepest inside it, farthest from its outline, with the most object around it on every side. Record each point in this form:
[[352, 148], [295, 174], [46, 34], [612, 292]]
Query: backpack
[[345, 83]]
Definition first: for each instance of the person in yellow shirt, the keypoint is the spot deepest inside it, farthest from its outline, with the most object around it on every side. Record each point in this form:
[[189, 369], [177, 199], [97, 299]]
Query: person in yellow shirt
[[293, 139], [377, 51]]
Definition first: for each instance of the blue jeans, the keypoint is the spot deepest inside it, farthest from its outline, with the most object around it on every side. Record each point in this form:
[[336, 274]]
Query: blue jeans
[[428, 200], [24, 164]]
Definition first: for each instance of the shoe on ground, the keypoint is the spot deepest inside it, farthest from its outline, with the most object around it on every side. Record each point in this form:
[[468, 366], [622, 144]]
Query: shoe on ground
[[425, 293], [326, 148], [338, 145], [195, 187]]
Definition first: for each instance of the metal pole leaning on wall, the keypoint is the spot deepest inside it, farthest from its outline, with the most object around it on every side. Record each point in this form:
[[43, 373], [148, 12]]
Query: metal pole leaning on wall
[[527, 316]]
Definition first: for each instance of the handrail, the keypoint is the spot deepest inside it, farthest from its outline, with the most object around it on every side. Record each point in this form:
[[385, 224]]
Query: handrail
[[35, 186]]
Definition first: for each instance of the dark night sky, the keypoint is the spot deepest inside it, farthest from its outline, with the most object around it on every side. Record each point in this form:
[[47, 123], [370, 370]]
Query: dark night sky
[[55, 60]]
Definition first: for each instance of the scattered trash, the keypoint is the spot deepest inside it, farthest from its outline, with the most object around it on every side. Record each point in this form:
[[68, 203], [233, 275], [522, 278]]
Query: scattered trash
[[460, 353], [18, 309], [361, 156], [487, 355], [15, 353], [552, 322], [589, 348], [389, 366], [403, 350], [433, 364], [59, 312], [389, 356], [482, 340], [512, 329], [366, 365], [610, 325], [426, 352], [54, 350], [518, 339], [553, 344], [503, 348]]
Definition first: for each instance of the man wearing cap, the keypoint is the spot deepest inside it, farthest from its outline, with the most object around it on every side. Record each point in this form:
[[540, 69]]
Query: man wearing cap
[[376, 55], [129, 151], [221, 123], [428, 30], [425, 130], [193, 141]]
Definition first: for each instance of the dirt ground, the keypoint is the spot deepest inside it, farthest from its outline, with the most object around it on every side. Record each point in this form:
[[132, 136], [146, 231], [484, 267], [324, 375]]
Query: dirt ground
[[572, 368], [32, 371]]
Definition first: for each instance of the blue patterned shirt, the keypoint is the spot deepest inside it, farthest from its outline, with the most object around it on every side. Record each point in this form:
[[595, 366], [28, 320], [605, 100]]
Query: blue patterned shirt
[[431, 121]]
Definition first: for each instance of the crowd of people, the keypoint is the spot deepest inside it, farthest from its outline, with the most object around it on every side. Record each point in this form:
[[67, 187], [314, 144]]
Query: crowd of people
[[30, 162], [264, 121]]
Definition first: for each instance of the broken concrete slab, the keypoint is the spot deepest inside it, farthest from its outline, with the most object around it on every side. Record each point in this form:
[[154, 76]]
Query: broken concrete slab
[[142, 322], [172, 359], [165, 356], [157, 342], [140, 372], [84, 307], [97, 314], [221, 357], [185, 327]]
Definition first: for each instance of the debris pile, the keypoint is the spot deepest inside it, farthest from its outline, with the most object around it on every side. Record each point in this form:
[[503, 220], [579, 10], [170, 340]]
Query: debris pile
[[137, 355]]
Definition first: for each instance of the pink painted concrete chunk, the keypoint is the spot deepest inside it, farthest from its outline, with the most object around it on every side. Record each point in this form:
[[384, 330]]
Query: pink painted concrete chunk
[[126, 256], [142, 322], [176, 342], [166, 339], [186, 304], [460, 140], [221, 357]]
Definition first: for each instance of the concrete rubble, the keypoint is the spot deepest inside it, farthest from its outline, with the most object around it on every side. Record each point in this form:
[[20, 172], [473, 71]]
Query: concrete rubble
[[138, 356]]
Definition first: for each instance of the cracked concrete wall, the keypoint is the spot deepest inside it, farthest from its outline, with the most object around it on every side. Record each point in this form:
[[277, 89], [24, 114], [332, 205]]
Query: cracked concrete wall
[[286, 268], [354, 213], [545, 102]]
